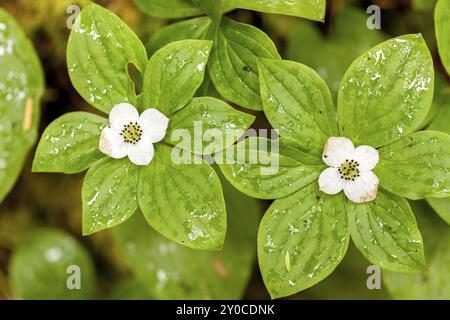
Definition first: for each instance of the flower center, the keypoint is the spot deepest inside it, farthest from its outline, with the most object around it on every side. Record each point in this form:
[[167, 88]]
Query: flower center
[[349, 170], [131, 133]]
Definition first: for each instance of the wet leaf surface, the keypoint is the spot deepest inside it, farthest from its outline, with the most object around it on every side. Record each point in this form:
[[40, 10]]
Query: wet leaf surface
[[386, 233], [173, 271], [225, 126], [233, 67], [417, 166], [109, 194], [184, 202], [21, 87], [70, 143], [434, 281], [262, 170], [174, 73], [386, 93], [99, 49], [348, 38], [301, 240]]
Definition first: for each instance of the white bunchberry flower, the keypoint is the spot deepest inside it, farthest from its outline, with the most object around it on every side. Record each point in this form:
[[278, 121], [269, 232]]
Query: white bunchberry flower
[[129, 134], [350, 170]]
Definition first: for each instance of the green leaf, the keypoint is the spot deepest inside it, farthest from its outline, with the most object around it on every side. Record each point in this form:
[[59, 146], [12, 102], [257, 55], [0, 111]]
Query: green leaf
[[233, 68], [70, 143], [386, 93], [434, 282], [301, 240], [173, 271], [442, 25], [267, 169], [99, 50], [441, 206], [46, 261], [313, 10], [348, 281], [213, 9], [109, 194], [417, 166], [184, 202], [349, 38], [174, 73], [21, 87], [386, 233], [179, 8], [191, 125], [298, 103], [196, 28], [169, 8]]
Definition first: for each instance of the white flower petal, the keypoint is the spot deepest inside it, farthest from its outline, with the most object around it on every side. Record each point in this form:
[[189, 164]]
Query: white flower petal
[[337, 150], [122, 114], [363, 189], [141, 153], [367, 158], [153, 124], [330, 181], [111, 143]]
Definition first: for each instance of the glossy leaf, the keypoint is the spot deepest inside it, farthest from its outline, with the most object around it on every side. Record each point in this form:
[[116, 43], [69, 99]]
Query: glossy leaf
[[386, 93], [416, 166], [70, 143], [434, 282], [267, 169], [21, 87], [442, 25], [233, 67], [99, 50], [441, 206], [184, 202], [349, 38], [211, 121], [386, 233], [169, 8], [301, 240], [298, 103], [196, 28], [179, 8], [46, 262], [173, 271], [174, 73], [313, 10], [109, 194]]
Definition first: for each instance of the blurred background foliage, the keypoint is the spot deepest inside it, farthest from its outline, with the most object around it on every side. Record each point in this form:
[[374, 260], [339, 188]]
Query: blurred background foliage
[[41, 217]]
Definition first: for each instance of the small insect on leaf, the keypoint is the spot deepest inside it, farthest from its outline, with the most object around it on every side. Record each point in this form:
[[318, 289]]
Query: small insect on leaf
[[28, 115], [287, 261]]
